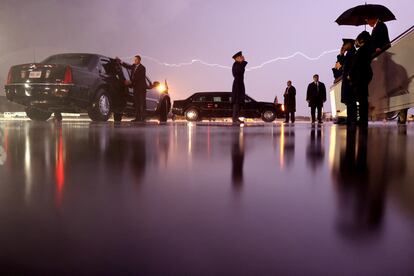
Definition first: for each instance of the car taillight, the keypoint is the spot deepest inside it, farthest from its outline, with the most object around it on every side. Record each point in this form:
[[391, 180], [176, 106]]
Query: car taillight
[[68, 76], [9, 77], [283, 107]]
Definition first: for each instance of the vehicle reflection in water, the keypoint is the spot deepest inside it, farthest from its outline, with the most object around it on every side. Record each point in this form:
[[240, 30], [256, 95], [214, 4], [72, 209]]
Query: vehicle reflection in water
[[60, 167], [3, 147], [50, 156]]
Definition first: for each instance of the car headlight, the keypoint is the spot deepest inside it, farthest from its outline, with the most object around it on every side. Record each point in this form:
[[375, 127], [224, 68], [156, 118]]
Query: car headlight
[[161, 88]]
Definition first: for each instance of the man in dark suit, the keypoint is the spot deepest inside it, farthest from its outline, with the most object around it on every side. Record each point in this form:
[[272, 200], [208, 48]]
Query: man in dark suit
[[290, 102], [380, 39], [238, 91], [347, 93], [360, 74], [138, 83], [316, 96]]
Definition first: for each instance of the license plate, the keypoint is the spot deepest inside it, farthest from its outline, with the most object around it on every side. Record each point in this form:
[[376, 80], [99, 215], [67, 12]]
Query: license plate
[[35, 75]]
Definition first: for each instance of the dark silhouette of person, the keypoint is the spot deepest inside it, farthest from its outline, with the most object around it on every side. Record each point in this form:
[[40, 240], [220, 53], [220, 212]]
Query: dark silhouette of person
[[380, 39], [139, 84], [360, 75], [337, 70], [290, 102], [347, 95], [316, 96], [315, 151], [288, 145], [237, 158], [238, 91], [363, 176]]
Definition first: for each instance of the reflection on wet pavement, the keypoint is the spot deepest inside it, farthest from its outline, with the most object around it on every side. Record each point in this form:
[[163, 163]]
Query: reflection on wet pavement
[[84, 198]]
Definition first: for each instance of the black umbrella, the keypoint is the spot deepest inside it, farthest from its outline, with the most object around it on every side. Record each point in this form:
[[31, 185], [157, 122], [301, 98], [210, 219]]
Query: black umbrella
[[357, 16]]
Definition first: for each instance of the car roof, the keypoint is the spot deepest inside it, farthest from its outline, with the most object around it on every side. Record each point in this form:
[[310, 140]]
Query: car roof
[[211, 93], [80, 54], [215, 93]]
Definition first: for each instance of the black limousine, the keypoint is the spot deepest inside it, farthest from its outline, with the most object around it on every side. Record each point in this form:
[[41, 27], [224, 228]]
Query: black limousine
[[79, 82], [206, 105]]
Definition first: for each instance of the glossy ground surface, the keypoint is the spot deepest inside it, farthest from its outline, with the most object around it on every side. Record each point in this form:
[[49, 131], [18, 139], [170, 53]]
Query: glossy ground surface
[[208, 199]]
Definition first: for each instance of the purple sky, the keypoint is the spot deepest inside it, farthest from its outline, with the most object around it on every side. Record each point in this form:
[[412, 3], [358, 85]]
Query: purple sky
[[178, 31]]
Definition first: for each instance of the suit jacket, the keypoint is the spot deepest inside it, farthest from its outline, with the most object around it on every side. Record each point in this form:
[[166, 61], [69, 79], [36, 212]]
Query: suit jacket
[[238, 90], [316, 95], [346, 88], [379, 36], [138, 77], [290, 99], [361, 71]]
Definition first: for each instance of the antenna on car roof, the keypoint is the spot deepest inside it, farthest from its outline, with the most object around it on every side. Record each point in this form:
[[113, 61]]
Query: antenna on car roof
[[34, 55]]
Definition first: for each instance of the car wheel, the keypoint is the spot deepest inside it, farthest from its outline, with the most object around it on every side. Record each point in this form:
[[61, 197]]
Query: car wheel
[[164, 111], [118, 117], [192, 114], [268, 115], [36, 114], [100, 109]]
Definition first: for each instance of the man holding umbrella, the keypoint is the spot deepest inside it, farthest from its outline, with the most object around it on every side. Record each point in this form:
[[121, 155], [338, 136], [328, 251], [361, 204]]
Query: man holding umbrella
[[360, 74], [373, 15], [379, 35]]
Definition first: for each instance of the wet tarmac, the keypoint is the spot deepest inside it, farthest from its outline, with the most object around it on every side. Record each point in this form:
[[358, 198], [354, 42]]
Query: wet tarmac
[[80, 198]]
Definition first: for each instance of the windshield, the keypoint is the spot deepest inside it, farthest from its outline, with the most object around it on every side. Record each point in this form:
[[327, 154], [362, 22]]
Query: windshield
[[79, 60]]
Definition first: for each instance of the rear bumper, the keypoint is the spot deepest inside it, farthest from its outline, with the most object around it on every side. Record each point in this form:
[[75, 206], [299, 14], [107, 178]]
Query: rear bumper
[[45, 96]]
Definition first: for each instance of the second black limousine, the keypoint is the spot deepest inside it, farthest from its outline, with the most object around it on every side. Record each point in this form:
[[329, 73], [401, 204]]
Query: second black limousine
[[207, 105]]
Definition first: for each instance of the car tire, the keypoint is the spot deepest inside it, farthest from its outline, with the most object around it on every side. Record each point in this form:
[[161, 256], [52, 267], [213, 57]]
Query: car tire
[[100, 108], [192, 114], [163, 117], [268, 115], [36, 114], [118, 117]]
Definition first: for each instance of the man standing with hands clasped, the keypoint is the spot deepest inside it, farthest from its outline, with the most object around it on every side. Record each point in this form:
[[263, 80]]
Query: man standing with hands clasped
[[139, 85], [290, 102], [238, 94], [316, 96]]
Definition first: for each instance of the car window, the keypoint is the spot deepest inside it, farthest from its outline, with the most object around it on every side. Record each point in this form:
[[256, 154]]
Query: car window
[[108, 67], [202, 98], [79, 60], [247, 100], [126, 73], [225, 99], [221, 99]]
